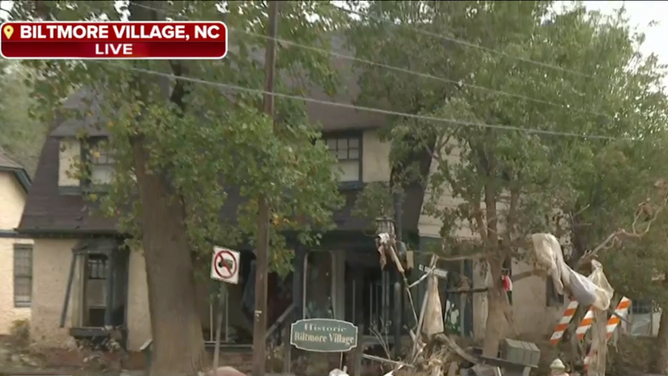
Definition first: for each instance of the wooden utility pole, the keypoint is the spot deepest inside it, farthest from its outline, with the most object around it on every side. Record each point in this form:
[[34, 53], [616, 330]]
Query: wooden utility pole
[[263, 217]]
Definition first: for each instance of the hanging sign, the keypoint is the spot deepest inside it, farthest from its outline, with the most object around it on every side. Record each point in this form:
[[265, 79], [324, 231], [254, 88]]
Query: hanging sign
[[225, 265]]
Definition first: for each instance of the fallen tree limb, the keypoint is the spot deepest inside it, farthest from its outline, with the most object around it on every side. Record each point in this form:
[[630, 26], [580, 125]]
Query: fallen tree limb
[[453, 345], [384, 360]]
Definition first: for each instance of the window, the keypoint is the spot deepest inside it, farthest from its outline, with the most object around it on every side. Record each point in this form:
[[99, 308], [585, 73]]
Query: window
[[97, 271], [22, 275], [642, 307], [318, 285], [98, 267], [100, 162], [347, 150], [102, 166]]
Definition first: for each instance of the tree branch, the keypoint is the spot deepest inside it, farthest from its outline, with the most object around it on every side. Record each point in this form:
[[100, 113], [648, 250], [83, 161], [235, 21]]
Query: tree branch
[[180, 89], [644, 216]]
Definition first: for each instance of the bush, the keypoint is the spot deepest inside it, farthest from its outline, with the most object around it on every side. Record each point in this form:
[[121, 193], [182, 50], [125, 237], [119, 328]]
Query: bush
[[19, 333]]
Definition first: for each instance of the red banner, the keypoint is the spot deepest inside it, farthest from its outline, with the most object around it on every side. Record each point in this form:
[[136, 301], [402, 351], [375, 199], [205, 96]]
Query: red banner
[[113, 40]]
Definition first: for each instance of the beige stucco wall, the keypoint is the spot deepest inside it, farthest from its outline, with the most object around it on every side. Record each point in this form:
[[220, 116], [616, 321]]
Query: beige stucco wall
[[51, 265], [375, 158], [139, 320], [69, 158], [12, 199], [530, 311]]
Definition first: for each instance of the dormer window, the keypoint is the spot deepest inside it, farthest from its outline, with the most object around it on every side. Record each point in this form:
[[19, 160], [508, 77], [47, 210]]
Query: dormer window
[[101, 166], [100, 163], [348, 151]]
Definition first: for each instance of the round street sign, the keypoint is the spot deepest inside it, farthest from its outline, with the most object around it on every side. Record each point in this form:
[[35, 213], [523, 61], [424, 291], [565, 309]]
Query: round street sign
[[225, 265]]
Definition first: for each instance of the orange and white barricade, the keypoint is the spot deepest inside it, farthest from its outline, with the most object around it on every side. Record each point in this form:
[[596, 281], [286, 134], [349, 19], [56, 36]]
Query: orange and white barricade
[[621, 311], [566, 319]]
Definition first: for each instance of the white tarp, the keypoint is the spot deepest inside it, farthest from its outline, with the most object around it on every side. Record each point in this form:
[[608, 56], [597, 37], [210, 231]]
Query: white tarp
[[593, 291], [433, 318]]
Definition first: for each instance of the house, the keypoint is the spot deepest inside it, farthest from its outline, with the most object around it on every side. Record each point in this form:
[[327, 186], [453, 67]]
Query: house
[[15, 253], [86, 279]]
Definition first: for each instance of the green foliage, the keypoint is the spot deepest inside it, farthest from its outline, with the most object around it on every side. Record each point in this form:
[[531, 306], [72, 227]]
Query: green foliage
[[374, 201], [507, 184], [21, 136], [218, 138]]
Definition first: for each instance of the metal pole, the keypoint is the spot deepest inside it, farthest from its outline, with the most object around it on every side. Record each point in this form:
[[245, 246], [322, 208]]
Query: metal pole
[[222, 292], [262, 262], [398, 293]]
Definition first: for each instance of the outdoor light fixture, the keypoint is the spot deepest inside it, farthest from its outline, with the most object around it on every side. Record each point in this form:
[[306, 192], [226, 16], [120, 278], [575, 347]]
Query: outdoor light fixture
[[384, 225]]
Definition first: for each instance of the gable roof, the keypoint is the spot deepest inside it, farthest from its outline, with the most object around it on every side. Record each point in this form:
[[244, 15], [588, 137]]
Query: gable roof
[[9, 165], [48, 211], [332, 118]]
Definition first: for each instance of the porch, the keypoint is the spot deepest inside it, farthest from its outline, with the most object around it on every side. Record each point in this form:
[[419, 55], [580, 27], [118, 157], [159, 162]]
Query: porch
[[341, 280]]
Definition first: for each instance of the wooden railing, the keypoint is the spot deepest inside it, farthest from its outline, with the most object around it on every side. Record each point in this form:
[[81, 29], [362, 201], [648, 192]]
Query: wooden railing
[[277, 328]]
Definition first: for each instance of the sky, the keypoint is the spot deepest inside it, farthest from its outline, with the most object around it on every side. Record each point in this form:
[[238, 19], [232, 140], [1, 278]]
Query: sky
[[640, 13]]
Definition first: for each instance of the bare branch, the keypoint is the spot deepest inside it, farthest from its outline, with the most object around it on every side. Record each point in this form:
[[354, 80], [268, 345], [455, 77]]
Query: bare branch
[[644, 217], [476, 256]]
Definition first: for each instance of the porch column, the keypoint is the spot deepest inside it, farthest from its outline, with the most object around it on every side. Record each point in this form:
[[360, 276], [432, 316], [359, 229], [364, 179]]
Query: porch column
[[111, 268]]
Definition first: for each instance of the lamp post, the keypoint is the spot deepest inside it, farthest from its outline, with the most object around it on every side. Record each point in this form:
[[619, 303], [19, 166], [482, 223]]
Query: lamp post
[[398, 295], [385, 225], [393, 227]]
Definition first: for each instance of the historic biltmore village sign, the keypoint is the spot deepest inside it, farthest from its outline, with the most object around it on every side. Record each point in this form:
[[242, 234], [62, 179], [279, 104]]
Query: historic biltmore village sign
[[323, 335]]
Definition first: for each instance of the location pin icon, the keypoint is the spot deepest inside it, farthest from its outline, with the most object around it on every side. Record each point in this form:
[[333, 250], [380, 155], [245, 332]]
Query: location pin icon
[[8, 30]]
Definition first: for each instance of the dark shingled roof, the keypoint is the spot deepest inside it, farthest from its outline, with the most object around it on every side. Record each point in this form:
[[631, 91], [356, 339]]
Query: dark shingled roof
[[49, 211]]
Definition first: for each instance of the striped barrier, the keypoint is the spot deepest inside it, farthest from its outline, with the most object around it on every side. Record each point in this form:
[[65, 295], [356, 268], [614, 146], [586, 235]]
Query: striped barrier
[[621, 310], [566, 319], [585, 324]]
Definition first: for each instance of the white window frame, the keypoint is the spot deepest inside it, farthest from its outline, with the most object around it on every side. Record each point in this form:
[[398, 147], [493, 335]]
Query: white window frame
[[347, 149], [23, 250]]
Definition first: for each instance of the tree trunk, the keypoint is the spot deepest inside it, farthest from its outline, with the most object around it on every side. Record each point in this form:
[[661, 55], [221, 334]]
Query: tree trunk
[[660, 356], [495, 326], [178, 342], [178, 345]]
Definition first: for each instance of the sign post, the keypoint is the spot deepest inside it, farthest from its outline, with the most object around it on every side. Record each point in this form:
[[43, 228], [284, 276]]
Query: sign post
[[224, 268]]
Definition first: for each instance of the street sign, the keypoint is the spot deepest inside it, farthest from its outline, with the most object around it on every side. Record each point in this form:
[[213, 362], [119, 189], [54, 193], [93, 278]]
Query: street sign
[[440, 273], [225, 265], [323, 335]]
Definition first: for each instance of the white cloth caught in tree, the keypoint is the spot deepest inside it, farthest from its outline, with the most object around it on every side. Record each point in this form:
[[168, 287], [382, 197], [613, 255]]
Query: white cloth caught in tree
[[593, 291]]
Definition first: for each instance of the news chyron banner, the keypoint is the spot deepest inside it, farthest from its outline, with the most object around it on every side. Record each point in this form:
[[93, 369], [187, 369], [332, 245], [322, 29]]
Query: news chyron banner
[[113, 40]]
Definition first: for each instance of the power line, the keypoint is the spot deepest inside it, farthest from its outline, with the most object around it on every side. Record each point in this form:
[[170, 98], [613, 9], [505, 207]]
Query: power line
[[403, 70], [423, 75], [466, 43], [362, 108]]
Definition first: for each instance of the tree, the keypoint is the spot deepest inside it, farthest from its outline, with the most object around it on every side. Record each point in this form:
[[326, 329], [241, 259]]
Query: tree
[[178, 150], [510, 178], [21, 135]]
